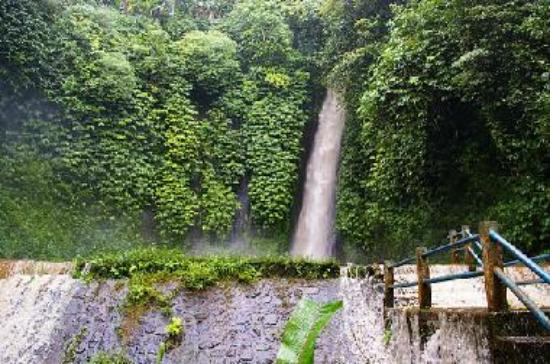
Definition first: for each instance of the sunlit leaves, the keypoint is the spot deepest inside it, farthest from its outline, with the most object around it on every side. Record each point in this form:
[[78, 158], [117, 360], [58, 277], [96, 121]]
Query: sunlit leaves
[[209, 61], [273, 132], [261, 33], [156, 116]]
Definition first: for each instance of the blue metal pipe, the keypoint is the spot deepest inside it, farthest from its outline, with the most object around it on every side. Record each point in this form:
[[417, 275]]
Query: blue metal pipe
[[449, 277], [478, 244], [522, 257], [461, 242], [534, 259], [405, 285], [532, 281], [449, 246], [531, 306], [476, 257]]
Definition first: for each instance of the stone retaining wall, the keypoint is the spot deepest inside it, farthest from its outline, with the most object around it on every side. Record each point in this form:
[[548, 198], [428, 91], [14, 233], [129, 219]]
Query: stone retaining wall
[[231, 324], [53, 318]]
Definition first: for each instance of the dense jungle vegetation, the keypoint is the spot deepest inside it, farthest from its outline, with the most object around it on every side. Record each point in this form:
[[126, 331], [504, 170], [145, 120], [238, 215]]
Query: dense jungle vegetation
[[127, 123]]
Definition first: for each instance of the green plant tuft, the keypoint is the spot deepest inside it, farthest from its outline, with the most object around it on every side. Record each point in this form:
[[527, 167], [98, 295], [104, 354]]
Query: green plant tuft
[[109, 358], [72, 347], [387, 336], [195, 273], [174, 330], [175, 327]]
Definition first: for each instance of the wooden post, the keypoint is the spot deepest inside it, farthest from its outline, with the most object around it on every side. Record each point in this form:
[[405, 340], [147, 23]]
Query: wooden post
[[468, 258], [465, 231], [455, 257], [492, 258], [388, 285], [423, 273]]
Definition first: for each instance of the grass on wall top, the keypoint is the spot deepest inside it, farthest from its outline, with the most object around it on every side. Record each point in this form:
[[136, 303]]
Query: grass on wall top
[[200, 272]]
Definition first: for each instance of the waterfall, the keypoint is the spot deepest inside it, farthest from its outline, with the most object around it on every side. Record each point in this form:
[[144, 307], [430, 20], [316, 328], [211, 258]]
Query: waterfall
[[314, 235], [238, 240]]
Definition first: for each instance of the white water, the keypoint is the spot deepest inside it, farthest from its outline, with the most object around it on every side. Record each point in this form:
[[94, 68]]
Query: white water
[[314, 235], [31, 312], [362, 319]]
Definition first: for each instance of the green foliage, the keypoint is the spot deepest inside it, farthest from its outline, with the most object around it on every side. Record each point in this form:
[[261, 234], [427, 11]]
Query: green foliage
[[275, 98], [142, 292], [112, 135], [174, 327], [174, 330], [72, 347], [176, 202], [448, 129], [355, 32], [387, 336], [201, 12], [148, 269], [209, 62], [273, 136], [199, 272], [262, 35], [60, 224], [170, 108], [304, 326], [272, 133], [109, 358], [152, 115], [25, 41], [161, 352]]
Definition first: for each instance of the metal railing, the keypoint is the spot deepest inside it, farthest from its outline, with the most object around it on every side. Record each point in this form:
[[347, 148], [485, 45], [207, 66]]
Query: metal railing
[[487, 263]]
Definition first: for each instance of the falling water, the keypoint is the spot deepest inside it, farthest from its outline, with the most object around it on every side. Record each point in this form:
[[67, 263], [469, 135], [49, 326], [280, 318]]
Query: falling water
[[31, 313], [314, 235], [362, 319], [238, 242]]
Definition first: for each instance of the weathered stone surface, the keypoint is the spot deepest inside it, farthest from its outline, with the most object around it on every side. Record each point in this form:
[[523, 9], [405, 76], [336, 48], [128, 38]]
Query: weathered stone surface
[[236, 324], [271, 319], [41, 316]]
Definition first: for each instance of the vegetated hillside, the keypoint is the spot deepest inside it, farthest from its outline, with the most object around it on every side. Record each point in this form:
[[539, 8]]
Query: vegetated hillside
[[146, 116], [130, 122], [449, 120]]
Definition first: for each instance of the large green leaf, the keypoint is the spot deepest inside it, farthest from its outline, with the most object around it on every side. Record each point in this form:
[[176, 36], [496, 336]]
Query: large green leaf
[[302, 329]]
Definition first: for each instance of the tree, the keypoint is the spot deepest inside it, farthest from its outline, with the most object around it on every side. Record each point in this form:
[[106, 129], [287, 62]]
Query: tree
[[209, 61], [262, 35], [453, 104]]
